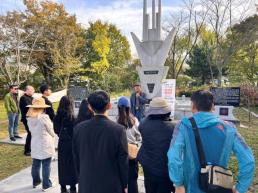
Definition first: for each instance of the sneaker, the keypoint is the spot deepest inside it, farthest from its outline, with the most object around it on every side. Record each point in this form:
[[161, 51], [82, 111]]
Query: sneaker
[[36, 184], [18, 137], [12, 139], [49, 188]]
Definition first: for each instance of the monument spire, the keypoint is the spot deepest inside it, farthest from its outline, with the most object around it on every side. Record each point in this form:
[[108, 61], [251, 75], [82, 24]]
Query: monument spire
[[153, 14], [159, 15], [145, 22]]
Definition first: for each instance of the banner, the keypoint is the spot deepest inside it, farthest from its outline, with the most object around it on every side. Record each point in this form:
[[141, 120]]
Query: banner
[[55, 97], [169, 93]]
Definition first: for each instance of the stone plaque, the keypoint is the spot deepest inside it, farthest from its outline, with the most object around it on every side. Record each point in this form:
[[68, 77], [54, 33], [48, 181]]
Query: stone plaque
[[226, 96], [78, 93]]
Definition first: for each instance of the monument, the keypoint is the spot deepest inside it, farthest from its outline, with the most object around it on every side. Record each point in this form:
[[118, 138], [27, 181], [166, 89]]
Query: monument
[[152, 51], [225, 101]]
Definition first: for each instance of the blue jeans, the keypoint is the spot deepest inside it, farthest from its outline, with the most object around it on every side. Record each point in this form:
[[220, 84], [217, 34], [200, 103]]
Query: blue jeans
[[35, 172], [139, 115], [13, 124]]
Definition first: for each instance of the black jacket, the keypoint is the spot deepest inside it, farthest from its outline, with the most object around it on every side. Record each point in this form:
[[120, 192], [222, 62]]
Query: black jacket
[[63, 126], [49, 111], [25, 100], [101, 157], [156, 138]]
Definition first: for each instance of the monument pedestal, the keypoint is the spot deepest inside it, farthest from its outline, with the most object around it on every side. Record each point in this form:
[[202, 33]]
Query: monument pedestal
[[226, 113], [151, 78]]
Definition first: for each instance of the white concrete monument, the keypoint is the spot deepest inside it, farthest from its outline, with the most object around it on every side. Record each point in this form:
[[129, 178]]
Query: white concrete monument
[[153, 51]]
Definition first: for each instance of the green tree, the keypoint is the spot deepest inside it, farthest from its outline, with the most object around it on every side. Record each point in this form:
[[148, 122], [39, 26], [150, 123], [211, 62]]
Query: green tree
[[59, 38], [244, 62], [199, 67]]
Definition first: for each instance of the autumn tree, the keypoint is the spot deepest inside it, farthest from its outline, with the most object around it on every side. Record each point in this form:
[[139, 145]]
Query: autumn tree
[[15, 54], [220, 18], [59, 39], [188, 23], [107, 47]]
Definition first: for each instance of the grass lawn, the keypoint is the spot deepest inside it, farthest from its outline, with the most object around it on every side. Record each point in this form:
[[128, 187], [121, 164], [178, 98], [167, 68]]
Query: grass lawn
[[2, 111], [12, 160], [251, 136], [255, 109]]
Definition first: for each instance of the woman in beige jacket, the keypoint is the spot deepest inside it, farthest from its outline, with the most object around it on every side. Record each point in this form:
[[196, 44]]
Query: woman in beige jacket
[[42, 143]]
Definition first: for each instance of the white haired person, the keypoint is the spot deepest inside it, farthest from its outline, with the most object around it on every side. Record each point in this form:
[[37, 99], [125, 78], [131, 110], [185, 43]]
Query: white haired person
[[42, 142]]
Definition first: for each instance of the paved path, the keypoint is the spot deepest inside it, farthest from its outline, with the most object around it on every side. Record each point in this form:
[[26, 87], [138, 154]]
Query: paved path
[[22, 182], [17, 142]]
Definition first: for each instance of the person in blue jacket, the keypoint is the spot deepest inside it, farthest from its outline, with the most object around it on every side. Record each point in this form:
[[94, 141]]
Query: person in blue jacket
[[219, 139]]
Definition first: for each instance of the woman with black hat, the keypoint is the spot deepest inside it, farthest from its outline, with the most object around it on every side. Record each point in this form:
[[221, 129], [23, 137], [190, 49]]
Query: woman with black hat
[[156, 131]]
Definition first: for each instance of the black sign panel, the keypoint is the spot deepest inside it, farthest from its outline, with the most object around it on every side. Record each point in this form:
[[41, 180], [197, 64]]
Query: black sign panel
[[226, 96], [151, 72], [78, 93]]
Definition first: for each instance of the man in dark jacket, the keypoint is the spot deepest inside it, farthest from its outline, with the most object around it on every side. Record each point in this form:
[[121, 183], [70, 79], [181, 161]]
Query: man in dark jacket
[[156, 130], [138, 101], [26, 100], [46, 92], [100, 150]]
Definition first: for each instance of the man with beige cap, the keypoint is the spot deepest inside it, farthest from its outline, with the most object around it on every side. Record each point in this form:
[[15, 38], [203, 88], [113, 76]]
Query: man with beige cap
[[42, 142]]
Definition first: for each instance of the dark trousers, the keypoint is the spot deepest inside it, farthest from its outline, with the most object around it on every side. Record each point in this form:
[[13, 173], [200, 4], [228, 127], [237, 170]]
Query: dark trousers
[[28, 138], [133, 176], [46, 168], [155, 184]]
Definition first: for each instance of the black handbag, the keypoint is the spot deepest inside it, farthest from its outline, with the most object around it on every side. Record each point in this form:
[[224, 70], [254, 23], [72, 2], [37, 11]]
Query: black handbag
[[212, 178]]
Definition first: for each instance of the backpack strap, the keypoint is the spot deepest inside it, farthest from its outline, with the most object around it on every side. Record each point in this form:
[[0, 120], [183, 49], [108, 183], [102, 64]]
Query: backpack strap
[[199, 145]]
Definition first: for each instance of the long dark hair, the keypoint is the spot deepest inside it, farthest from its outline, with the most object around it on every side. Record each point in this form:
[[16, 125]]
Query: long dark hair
[[65, 109], [84, 112], [125, 118]]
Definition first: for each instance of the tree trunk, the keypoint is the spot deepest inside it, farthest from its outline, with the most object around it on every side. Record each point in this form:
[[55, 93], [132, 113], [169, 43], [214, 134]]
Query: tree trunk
[[220, 76]]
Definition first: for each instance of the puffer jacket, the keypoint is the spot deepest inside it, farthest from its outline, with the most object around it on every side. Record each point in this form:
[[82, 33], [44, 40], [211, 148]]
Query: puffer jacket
[[219, 139], [43, 135]]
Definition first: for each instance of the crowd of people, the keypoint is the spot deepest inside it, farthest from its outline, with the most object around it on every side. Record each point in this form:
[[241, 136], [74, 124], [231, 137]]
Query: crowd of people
[[103, 156]]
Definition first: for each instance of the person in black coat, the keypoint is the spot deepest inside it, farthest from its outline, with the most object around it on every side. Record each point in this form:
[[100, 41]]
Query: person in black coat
[[46, 92], [26, 100], [156, 130], [63, 125], [100, 150], [85, 113]]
